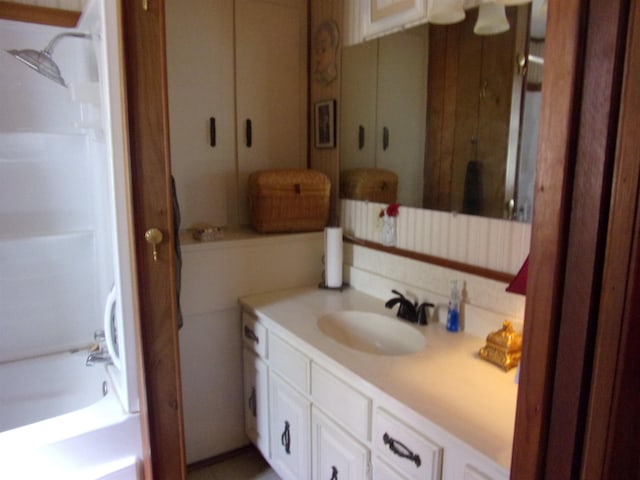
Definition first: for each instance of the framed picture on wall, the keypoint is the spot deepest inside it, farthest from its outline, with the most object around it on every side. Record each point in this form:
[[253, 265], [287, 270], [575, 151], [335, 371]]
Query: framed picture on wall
[[325, 124]]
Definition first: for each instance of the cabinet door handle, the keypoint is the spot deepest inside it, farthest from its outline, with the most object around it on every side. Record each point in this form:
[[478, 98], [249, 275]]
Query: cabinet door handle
[[334, 473], [252, 402], [385, 138], [248, 333], [401, 449], [212, 131], [285, 438], [249, 132], [360, 137]]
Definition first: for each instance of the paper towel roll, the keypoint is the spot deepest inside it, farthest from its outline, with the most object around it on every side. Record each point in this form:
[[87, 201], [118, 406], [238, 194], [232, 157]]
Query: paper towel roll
[[333, 257]]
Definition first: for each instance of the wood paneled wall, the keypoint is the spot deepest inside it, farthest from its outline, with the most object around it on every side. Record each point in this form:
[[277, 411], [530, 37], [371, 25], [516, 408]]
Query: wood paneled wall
[[326, 159], [470, 83]]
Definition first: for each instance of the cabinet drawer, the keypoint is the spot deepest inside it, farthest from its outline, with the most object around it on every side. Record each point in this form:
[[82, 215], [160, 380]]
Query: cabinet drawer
[[254, 335], [405, 449], [351, 408], [289, 362]]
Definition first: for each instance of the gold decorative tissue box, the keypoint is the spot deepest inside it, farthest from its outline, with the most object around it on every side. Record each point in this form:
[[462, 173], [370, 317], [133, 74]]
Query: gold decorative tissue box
[[504, 347]]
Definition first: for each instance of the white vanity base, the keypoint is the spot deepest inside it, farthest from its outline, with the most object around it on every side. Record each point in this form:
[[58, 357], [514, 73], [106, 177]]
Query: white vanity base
[[441, 413]]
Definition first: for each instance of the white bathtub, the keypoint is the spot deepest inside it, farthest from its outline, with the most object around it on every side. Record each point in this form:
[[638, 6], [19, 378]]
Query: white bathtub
[[58, 424]]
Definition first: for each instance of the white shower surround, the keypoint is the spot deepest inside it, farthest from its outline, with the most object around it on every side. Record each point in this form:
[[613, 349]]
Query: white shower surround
[[64, 217]]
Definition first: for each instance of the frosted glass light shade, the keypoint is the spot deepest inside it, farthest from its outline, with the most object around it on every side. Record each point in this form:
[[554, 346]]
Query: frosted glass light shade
[[445, 12], [492, 19]]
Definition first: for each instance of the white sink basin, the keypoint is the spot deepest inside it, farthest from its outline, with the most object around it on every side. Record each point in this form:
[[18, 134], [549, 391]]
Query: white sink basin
[[372, 333]]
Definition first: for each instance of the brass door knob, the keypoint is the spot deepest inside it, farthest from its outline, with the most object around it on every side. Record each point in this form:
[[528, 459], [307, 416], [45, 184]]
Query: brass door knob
[[154, 237]]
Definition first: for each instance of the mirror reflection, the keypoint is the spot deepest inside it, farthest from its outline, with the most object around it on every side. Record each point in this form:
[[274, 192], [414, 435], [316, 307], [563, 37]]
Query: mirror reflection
[[439, 117]]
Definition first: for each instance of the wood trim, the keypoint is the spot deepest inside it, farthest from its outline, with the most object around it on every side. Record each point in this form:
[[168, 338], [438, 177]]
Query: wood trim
[[556, 147], [146, 84], [326, 160], [591, 191], [609, 422], [41, 15], [442, 262]]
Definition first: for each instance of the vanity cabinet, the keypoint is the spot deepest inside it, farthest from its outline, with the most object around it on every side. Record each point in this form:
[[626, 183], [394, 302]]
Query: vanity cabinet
[[327, 423], [292, 431], [237, 81], [383, 119]]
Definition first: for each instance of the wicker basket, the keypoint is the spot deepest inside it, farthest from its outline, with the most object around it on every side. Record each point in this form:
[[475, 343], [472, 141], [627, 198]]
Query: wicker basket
[[373, 184], [288, 200]]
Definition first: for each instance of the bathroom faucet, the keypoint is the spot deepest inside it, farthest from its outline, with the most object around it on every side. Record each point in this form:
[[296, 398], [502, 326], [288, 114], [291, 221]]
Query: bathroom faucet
[[98, 352], [408, 310]]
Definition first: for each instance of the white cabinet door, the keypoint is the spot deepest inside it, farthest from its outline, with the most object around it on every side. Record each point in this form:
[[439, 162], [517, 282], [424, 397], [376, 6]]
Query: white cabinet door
[[401, 114], [358, 112], [289, 416], [252, 69], [336, 455], [271, 83], [256, 401], [383, 119], [201, 86]]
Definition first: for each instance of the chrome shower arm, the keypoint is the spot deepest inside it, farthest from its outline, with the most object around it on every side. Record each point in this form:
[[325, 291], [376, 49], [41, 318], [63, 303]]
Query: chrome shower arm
[[49, 48]]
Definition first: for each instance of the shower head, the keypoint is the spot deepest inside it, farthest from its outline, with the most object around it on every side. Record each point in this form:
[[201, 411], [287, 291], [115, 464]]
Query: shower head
[[41, 61]]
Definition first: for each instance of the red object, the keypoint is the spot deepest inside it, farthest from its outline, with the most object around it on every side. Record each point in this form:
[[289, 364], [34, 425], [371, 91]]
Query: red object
[[391, 210], [519, 283]]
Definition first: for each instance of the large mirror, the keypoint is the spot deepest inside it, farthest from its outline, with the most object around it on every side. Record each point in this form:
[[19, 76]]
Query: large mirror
[[439, 117]]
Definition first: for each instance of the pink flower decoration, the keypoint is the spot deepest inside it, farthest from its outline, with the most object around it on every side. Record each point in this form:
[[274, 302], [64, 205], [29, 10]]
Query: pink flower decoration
[[391, 210]]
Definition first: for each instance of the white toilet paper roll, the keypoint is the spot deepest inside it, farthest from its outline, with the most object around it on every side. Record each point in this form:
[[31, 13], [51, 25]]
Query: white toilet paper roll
[[333, 257]]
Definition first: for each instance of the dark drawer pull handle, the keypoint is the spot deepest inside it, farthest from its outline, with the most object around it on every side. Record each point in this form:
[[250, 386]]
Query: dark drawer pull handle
[[248, 333], [385, 138], [285, 438], [212, 131], [249, 132], [360, 137], [401, 450], [334, 473], [252, 402]]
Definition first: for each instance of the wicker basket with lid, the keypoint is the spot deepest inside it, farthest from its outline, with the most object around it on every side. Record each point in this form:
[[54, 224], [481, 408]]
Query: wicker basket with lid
[[288, 200]]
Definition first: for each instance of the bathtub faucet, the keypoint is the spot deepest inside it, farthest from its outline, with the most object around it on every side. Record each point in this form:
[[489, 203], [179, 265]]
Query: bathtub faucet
[[98, 353]]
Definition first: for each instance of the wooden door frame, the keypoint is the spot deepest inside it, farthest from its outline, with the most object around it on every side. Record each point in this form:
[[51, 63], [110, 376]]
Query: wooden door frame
[[577, 145], [148, 119], [611, 446]]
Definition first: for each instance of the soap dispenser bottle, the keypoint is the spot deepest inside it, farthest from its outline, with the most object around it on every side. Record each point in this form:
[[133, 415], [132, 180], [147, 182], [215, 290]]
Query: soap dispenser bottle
[[453, 314]]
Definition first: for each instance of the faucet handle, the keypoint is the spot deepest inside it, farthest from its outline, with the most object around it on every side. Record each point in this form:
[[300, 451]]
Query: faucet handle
[[99, 335], [422, 313]]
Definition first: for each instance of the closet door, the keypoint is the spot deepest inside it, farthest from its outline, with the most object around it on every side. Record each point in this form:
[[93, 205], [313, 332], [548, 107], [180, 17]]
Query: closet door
[[271, 85], [401, 114], [201, 86], [358, 112]]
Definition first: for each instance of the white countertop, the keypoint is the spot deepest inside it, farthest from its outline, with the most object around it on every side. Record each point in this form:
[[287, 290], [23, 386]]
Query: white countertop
[[447, 382]]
